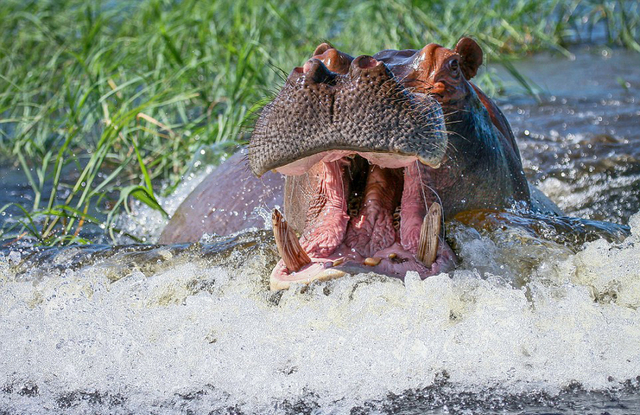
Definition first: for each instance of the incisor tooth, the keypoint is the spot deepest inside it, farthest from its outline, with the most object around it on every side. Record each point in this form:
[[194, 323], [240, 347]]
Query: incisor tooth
[[289, 247], [429, 232], [372, 262]]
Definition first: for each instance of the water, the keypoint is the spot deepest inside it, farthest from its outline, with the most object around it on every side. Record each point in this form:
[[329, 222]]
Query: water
[[527, 324], [581, 144]]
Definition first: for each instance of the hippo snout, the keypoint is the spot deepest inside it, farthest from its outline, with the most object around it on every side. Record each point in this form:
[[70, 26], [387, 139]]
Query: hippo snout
[[337, 103], [314, 71]]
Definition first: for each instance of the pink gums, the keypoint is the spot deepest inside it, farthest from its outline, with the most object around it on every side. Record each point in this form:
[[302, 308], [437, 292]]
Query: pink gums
[[413, 208], [330, 226]]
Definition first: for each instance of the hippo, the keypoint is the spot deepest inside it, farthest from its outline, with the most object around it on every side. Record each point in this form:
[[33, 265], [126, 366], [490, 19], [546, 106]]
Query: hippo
[[366, 157]]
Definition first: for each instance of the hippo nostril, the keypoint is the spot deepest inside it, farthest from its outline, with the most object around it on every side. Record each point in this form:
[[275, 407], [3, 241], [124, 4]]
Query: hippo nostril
[[307, 66], [316, 71], [366, 62], [322, 48]]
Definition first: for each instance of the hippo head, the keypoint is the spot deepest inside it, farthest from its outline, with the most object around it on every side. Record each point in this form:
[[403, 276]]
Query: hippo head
[[376, 151]]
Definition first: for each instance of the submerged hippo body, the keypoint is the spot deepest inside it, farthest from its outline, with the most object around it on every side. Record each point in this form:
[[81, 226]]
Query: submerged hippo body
[[229, 199], [366, 147]]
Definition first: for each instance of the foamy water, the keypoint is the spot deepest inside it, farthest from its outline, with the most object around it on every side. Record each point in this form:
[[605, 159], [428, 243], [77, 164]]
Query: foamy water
[[116, 335]]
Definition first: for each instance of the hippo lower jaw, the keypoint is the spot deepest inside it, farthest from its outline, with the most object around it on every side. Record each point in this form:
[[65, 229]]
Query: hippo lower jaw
[[368, 215]]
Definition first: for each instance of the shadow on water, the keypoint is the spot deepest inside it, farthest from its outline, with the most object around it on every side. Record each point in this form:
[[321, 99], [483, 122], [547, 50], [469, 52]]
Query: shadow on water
[[442, 399], [436, 400]]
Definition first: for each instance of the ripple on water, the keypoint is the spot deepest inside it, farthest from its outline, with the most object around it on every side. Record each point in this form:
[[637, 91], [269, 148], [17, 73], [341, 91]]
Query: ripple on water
[[582, 143]]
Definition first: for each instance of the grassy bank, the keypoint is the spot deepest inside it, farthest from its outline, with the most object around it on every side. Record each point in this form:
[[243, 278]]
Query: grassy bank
[[99, 102]]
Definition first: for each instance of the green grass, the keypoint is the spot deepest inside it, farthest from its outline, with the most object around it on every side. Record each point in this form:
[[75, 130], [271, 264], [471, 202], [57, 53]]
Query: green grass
[[101, 102]]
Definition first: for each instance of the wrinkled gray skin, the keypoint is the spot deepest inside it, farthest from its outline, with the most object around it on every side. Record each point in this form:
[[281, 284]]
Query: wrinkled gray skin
[[325, 106]]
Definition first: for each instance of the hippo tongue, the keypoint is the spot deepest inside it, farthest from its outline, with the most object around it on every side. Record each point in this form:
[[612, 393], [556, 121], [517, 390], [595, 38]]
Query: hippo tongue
[[372, 229]]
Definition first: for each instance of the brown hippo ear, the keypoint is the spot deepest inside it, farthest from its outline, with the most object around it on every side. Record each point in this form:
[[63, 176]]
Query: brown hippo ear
[[471, 55]]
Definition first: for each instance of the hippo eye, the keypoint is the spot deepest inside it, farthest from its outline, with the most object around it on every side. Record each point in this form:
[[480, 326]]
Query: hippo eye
[[454, 66]]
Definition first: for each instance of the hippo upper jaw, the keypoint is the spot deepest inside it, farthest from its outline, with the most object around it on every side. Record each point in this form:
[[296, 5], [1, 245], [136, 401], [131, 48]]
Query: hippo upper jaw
[[388, 159], [364, 110]]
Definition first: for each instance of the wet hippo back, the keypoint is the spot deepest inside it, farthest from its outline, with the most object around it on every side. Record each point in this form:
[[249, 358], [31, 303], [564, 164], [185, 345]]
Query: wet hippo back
[[225, 202]]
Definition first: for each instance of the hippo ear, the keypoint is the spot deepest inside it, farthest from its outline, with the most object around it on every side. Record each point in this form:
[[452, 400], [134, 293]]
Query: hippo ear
[[471, 55]]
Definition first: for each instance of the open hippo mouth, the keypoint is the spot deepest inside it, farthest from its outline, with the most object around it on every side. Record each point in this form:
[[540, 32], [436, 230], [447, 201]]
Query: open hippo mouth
[[371, 215], [356, 147]]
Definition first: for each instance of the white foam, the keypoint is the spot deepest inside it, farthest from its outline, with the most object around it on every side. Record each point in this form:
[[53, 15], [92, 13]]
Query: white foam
[[578, 198], [190, 327]]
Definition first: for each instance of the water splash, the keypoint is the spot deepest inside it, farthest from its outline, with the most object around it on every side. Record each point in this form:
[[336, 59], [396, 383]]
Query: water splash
[[195, 327]]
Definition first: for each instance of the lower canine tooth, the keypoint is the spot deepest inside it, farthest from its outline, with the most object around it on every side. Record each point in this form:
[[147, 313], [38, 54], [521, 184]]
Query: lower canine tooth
[[428, 245], [289, 247]]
